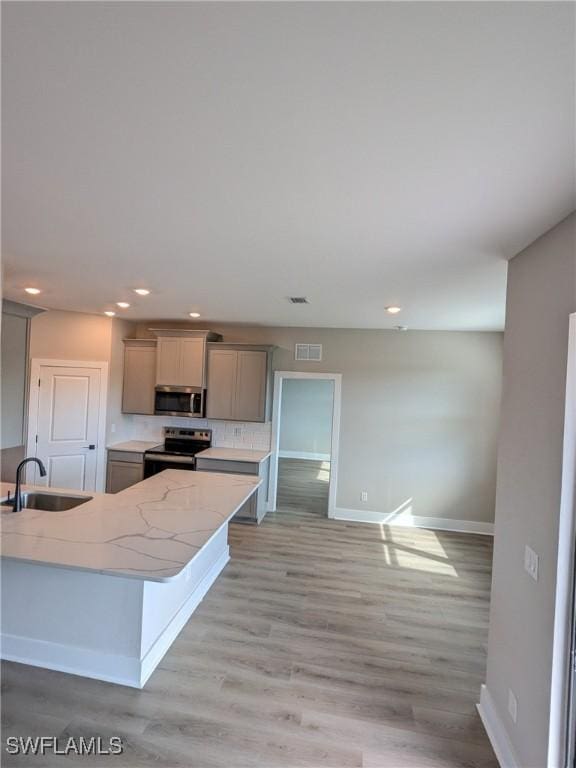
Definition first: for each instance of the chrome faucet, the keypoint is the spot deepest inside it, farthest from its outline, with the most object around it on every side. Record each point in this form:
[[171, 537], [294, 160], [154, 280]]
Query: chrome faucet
[[17, 506]]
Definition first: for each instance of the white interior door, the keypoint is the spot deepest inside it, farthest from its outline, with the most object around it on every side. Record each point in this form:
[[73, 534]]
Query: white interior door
[[68, 425]]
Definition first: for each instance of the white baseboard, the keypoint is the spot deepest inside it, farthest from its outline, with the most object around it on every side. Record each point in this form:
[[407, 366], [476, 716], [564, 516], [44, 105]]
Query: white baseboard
[[306, 455], [496, 731], [123, 670], [414, 521]]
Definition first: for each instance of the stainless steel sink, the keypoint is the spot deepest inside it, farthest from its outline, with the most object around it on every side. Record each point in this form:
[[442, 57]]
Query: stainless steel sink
[[49, 502]]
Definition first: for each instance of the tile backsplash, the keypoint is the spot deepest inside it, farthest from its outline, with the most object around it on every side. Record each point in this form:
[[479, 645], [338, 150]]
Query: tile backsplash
[[225, 434]]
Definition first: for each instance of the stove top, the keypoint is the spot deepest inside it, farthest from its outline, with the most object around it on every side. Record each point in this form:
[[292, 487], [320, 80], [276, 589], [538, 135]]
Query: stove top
[[181, 441], [190, 450]]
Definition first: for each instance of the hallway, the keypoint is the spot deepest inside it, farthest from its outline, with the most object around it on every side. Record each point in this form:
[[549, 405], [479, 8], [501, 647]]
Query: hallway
[[303, 485]]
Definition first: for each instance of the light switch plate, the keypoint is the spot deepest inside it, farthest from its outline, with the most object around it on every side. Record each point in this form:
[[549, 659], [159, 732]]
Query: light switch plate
[[531, 562], [512, 705]]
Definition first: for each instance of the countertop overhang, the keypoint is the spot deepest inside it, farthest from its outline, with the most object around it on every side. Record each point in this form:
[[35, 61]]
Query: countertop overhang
[[150, 531], [133, 446], [234, 454]]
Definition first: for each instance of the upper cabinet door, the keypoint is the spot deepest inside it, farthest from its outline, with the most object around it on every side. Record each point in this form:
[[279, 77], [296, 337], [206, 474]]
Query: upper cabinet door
[[168, 362], [221, 390], [251, 386], [139, 377], [192, 362]]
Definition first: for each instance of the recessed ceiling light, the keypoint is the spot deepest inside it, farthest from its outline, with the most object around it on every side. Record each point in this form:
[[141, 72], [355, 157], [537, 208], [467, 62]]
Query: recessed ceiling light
[[194, 314], [33, 291], [141, 291], [122, 304], [393, 310], [109, 313]]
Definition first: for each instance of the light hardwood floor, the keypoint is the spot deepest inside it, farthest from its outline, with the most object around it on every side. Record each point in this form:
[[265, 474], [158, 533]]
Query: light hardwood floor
[[303, 484], [323, 643]]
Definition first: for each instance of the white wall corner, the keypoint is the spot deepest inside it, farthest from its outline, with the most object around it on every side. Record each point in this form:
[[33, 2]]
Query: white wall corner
[[558, 750], [496, 731]]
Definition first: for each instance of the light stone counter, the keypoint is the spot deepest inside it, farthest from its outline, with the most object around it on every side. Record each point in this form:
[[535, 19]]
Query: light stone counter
[[102, 590], [235, 454], [150, 531], [133, 446]]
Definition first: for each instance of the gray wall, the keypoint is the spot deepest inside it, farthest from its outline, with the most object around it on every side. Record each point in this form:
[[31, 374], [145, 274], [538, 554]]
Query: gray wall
[[306, 416], [541, 296], [60, 335], [420, 413], [13, 373], [14, 347]]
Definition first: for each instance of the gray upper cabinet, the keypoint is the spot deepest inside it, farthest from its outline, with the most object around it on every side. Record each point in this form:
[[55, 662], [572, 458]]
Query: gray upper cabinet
[[221, 395], [139, 376], [193, 359], [168, 362], [181, 357], [180, 362], [238, 382], [251, 383]]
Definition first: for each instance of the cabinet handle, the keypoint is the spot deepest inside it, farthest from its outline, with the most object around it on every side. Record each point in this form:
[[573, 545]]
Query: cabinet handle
[[91, 447]]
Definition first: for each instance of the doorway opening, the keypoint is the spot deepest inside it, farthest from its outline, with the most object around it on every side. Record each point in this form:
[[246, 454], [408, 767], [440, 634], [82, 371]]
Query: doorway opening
[[305, 428]]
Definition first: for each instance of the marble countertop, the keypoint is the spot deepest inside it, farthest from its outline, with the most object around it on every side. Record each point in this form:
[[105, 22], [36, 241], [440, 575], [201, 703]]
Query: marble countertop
[[134, 446], [234, 454], [150, 531], [8, 488]]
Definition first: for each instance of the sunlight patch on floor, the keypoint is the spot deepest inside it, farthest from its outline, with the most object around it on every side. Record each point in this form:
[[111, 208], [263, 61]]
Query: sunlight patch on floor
[[430, 556]]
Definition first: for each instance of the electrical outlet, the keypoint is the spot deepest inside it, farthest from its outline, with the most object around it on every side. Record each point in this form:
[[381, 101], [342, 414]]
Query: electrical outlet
[[364, 496], [512, 705], [531, 562], [112, 428]]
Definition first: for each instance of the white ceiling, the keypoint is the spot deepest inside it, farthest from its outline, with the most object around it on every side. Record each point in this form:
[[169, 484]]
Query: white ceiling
[[229, 155]]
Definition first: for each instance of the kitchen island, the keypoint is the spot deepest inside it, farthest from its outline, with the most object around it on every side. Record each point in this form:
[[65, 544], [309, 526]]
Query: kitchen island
[[103, 589], [245, 462]]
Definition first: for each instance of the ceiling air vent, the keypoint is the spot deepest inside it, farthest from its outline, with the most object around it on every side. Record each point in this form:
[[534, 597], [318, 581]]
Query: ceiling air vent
[[309, 352], [298, 300]]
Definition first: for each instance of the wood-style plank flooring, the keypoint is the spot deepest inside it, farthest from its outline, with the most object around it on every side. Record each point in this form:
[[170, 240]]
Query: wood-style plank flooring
[[323, 643], [303, 485]]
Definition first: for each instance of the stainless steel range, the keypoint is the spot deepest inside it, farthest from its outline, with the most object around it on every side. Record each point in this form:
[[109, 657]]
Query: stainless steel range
[[178, 450]]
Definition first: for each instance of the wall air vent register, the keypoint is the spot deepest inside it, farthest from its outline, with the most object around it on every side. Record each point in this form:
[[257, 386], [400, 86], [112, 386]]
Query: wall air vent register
[[309, 352]]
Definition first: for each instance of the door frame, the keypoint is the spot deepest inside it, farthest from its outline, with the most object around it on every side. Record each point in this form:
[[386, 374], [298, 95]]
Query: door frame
[[561, 739], [36, 364], [279, 377]]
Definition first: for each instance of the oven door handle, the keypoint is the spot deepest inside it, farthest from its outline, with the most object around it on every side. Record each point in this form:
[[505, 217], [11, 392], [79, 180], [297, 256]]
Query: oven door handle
[[169, 459]]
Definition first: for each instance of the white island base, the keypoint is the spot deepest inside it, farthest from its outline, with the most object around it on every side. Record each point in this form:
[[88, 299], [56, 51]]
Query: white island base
[[100, 626]]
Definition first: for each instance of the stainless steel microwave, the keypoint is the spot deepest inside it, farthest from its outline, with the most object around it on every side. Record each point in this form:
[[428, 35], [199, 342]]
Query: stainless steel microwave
[[179, 401]]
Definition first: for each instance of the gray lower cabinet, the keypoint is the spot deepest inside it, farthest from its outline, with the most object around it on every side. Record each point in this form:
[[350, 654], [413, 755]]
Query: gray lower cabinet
[[123, 470], [257, 505]]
